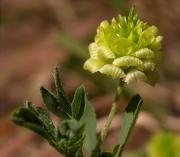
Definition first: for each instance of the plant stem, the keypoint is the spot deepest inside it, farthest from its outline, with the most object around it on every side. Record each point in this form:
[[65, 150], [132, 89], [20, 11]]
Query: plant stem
[[113, 111]]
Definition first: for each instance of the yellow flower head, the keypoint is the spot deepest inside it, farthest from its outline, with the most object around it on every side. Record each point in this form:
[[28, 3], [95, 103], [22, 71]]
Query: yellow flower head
[[126, 48]]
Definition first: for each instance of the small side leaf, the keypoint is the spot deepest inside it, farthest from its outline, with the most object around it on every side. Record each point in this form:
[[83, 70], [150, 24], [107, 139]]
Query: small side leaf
[[62, 98], [52, 104], [78, 103], [36, 119], [89, 118], [129, 120]]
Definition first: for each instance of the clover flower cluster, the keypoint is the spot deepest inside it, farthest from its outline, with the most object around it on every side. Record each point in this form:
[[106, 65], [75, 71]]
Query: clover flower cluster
[[126, 48]]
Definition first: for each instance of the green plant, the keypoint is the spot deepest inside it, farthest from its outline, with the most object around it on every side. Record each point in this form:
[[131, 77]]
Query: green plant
[[126, 49], [161, 144], [164, 144], [76, 119]]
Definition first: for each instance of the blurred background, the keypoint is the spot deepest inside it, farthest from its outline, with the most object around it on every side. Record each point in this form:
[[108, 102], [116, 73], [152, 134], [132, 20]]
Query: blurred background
[[37, 35]]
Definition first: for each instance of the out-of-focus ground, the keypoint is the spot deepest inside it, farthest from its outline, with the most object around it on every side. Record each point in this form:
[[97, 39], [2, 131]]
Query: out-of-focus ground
[[37, 35]]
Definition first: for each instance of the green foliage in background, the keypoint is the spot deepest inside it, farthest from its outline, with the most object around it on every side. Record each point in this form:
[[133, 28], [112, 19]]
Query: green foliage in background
[[165, 144], [161, 144]]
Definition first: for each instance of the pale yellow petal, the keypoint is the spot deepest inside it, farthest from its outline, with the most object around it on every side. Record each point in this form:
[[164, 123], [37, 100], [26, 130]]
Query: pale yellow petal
[[113, 71], [93, 50], [144, 53], [127, 61], [93, 65], [149, 66], [106, 53], [135, 76]]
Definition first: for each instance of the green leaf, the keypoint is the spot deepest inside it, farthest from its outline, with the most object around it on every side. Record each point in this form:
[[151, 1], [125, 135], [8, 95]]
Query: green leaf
[[129, 119], [106, 154], [52, 103], [78, 103], [89, 118], [62, 98], [36, 119], [70, 128], [70, 137], [79, 153], [46, 121]]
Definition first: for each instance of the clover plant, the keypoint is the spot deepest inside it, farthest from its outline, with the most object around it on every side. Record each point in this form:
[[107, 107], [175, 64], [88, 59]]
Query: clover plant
[[127, 49]]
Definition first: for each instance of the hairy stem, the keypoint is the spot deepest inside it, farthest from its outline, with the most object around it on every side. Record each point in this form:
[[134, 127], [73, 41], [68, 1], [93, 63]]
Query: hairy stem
[[113, 111]]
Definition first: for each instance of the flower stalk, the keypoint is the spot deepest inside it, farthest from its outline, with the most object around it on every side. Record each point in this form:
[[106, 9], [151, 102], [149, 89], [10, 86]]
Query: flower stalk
[[112, 113]]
